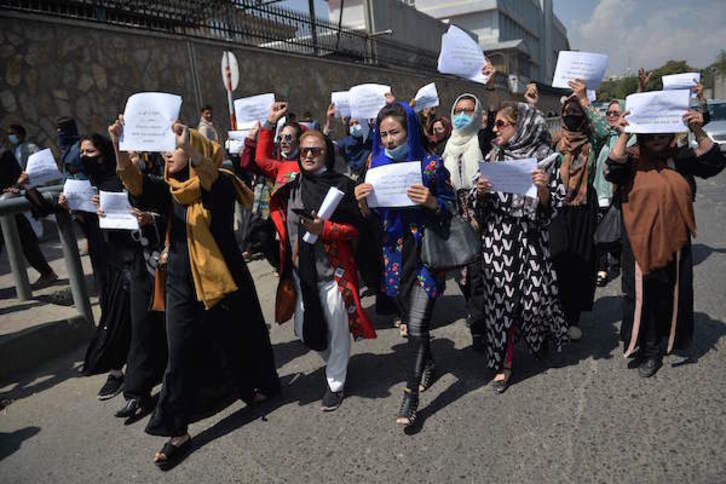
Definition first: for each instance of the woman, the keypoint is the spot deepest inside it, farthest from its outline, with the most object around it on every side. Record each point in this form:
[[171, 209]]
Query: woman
[[356, 145], [439, 134], [520, 285], [217, 338], [572, 230], [470, 141], [398, 137], [109, 347], [328, 308], [658, 221], [608, 261]]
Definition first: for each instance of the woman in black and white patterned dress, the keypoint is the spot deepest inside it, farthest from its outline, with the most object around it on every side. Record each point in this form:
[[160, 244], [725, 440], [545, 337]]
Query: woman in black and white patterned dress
[[521, 297]]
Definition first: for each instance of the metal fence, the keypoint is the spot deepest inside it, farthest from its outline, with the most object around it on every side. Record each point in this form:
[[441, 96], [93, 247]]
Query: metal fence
[[246, 22], [10, 206]]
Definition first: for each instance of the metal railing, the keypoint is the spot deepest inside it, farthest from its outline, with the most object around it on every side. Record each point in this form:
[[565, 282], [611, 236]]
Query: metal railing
[[10, 206], [245, 22]]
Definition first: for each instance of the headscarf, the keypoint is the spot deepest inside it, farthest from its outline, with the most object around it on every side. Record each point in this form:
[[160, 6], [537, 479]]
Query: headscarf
[[212, 278], [575, 149], [532, 139], [462, 153], [438, 141], [313, 189], [657, 209]]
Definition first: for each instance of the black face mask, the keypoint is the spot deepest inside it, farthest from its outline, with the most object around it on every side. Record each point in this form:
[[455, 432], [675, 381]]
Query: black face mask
[[91, 163], [572, 122]]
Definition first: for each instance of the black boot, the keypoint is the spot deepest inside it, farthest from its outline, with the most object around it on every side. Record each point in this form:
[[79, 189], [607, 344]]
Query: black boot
[[429, 375]]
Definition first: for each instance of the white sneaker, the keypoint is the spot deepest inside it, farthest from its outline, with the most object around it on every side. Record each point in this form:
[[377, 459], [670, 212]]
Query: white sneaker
[[575, 333]]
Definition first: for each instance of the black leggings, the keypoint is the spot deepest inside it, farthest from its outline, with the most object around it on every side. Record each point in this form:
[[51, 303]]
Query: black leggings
[[418, 319]]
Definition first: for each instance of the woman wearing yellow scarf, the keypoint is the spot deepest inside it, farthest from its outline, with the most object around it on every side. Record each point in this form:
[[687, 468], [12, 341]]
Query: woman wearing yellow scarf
[[216, 332]]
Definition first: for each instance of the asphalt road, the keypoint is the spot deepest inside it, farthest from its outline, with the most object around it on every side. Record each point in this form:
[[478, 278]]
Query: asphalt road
[[580, 416]]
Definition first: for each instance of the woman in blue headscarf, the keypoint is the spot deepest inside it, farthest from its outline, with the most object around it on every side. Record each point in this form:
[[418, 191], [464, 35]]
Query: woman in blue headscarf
[[398, 137]]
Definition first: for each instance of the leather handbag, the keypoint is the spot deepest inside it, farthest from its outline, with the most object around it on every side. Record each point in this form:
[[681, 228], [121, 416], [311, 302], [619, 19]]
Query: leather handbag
[[450, 245], [286, 295], [285, 300], [610, 229]]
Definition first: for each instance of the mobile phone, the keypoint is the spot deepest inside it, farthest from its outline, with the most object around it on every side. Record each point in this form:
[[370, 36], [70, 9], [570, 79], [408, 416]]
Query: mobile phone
[[301, 212]]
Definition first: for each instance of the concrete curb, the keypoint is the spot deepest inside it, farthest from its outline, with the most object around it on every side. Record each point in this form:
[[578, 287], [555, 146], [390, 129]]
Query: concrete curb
[[32, 347]]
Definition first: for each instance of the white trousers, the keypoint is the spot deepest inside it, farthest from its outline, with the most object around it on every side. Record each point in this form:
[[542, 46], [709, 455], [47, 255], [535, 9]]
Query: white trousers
[[338, 353]]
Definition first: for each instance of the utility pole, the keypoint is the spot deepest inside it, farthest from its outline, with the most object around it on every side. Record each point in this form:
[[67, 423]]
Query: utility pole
[[313, 26]]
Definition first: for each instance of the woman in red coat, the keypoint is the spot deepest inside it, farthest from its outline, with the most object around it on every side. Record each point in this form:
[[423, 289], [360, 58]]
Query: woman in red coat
[[328, 308]]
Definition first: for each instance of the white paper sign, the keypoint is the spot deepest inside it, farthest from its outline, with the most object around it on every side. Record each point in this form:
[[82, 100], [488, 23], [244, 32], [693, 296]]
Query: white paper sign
[[236, 140], [390, 183], [253, 108], [326, 210], [341, 99], [41, 167], [657, 111], [681, 81], [366, 100], [117, 211], [78, 195], [580, 65], [426, 97], [461, 56], [514, 176], [147, 122]]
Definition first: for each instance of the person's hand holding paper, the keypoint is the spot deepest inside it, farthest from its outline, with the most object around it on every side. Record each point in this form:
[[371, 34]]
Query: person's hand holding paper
[[390, 184], [147, 119]]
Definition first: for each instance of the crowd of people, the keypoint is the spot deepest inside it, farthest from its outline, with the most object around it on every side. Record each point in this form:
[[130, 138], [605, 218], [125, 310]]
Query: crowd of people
[[179, 306]]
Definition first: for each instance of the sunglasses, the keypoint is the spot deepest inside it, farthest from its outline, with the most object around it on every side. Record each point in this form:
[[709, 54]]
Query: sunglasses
[[314, 150], [613, 113], [499, 123], [286, 137]]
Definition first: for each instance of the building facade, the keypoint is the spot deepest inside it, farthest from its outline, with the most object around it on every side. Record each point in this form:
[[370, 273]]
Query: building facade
[[521, 37]]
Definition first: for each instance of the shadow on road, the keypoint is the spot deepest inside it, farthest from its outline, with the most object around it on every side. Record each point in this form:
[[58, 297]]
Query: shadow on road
[[701, 252], [10, 442], [40, 380], [706, 335]]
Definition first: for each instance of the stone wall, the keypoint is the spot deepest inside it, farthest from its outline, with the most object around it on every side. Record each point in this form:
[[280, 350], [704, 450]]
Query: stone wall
[[51, 67]]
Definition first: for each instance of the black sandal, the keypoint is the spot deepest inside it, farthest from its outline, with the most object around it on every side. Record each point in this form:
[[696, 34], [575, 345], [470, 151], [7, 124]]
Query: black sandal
[[429, 376], [409, 406], [173, 454]]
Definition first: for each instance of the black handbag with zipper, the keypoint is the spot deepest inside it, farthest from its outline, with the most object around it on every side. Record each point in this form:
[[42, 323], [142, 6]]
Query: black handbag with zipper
[[449, 245]]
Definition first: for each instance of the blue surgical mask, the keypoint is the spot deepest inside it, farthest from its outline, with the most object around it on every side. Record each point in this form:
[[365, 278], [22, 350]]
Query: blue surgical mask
[[13, 139], [398, 153], [462, 120], [356, 131]]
